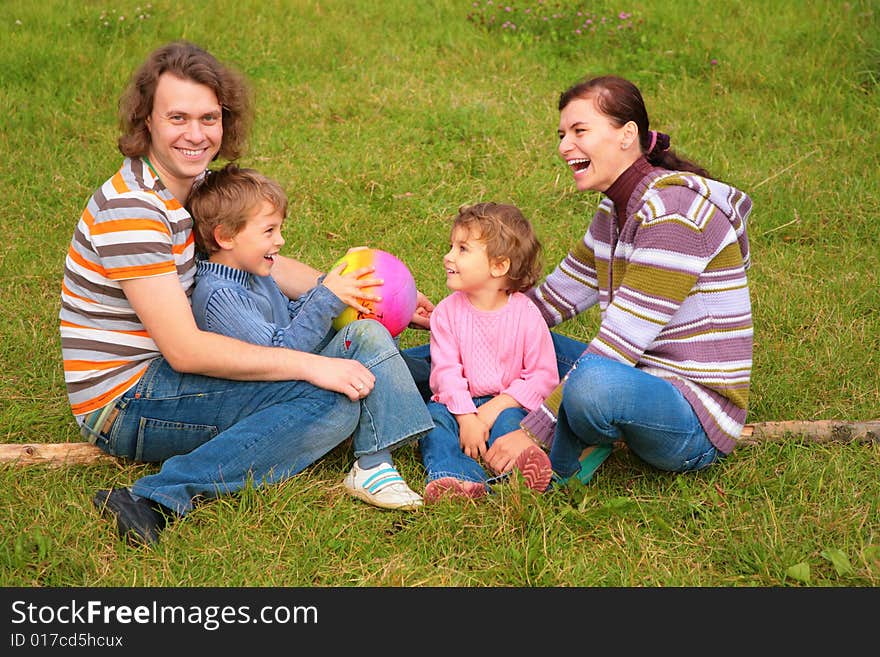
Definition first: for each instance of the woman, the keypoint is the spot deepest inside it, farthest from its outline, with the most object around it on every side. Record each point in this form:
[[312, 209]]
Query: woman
[[665, 257]]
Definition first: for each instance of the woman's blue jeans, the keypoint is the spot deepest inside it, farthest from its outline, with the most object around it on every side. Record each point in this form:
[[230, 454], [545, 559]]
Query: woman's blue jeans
[[214, 435], [441, 448], [604, 401]]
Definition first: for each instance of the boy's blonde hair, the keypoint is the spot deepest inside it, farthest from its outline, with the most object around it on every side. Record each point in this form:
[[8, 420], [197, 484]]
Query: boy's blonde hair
[[507, 234], [225, 198]]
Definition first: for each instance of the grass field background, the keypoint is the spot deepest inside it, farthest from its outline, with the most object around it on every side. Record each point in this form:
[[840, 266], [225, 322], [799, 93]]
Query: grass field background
[[380, 119]]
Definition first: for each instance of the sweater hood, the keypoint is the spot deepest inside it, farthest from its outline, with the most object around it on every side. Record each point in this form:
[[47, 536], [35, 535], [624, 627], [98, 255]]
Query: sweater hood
[[712, 196]]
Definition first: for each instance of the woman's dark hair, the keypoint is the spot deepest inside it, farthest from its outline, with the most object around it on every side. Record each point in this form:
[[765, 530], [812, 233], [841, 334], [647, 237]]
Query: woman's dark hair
[[621, 101], [188, 62]]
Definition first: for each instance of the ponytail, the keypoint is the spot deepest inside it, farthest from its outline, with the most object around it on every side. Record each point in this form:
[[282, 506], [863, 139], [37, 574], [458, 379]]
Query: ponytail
[[657, 153]]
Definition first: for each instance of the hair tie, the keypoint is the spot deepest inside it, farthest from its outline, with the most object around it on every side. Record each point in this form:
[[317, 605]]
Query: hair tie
[[660, 141]]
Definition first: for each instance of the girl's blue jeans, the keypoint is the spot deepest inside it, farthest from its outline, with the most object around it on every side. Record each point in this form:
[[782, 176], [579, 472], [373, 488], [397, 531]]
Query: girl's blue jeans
[[214, 435], [604, 401], [441, 450]]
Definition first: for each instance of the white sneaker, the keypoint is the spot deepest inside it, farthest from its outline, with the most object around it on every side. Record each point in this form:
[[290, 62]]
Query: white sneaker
[[381, 486]]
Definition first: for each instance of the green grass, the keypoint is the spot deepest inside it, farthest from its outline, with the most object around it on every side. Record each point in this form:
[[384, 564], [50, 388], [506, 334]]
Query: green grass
[[380, 119]]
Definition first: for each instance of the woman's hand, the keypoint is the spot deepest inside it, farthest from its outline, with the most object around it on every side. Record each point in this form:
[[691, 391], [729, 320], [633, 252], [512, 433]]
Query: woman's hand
[[502, 455], [421, 318]]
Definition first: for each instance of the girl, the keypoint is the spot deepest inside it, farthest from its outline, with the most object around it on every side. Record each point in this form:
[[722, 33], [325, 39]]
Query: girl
[[492, 357]]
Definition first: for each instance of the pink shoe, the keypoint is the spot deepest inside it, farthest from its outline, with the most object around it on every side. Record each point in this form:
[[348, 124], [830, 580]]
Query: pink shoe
[[534, 464], [452, 487]]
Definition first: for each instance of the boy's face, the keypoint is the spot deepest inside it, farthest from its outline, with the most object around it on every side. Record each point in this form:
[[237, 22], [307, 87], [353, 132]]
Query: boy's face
[[467, 262], [255, 246]]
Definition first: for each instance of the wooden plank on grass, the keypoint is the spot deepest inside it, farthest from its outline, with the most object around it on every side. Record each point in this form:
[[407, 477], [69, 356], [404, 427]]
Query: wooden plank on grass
[[52, 454], [816, 431], [819, 431]]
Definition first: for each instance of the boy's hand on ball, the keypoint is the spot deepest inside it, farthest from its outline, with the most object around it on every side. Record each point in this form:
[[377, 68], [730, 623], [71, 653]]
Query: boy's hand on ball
[[392, 302], [351, 287]]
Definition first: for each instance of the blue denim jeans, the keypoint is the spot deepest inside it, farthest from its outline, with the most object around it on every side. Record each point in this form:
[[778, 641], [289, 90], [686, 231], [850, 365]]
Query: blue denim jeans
[[394, 412], [418, 360], [604, 401], [214, 435], [441, 449]]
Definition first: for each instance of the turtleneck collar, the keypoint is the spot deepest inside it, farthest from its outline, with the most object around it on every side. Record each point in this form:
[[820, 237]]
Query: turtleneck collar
[[621, 189]]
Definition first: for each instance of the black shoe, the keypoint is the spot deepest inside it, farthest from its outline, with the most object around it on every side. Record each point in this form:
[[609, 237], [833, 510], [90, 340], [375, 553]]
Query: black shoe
[[138, 520]]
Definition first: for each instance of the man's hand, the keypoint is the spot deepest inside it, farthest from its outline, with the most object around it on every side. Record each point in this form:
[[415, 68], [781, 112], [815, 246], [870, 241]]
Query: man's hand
[[349, 377]]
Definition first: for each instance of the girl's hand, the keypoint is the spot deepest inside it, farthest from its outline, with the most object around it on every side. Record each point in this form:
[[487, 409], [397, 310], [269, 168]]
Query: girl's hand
[[490, 411], [473, 435], [421, 318]]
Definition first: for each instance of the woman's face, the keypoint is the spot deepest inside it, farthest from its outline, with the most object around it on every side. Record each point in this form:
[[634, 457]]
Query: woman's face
[[595, 149]]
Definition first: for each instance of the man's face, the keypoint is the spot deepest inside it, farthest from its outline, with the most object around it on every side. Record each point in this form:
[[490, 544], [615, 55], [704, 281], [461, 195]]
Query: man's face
[[186, 130]]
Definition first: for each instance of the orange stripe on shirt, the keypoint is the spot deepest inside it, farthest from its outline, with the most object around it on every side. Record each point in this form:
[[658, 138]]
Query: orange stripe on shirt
[[137, 334], [66, 292], [180, 248], [107, 397], [142, 271], [171, 204], [118, 182], [87, 218], [121, 225], [86, 365], [74, 255]]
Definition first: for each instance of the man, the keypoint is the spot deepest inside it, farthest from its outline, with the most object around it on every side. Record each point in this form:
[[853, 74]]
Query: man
[[143, 381]]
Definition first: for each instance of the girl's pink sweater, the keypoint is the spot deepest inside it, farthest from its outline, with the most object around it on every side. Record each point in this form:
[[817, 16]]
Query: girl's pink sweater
[[476, 353]]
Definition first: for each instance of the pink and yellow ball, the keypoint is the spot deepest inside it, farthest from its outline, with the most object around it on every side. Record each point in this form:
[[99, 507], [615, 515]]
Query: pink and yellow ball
[[398, 291]]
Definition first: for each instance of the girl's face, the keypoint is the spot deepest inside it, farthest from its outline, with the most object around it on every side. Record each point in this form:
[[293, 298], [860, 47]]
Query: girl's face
[[468, 268], [595, 149]]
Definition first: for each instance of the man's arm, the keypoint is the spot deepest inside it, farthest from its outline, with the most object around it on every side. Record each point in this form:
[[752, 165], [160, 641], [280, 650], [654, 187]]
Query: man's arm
[[165, 312], [294, 277]]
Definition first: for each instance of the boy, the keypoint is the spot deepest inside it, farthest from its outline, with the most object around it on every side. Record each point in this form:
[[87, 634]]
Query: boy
[[239, 214]]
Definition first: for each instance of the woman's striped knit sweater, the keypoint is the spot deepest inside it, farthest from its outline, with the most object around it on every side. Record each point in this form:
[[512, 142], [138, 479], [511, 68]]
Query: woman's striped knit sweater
[[673, 295]]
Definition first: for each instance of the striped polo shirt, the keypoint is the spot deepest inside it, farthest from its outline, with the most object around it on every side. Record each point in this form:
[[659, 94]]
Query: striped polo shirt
[[673, 296], [132, 227]]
